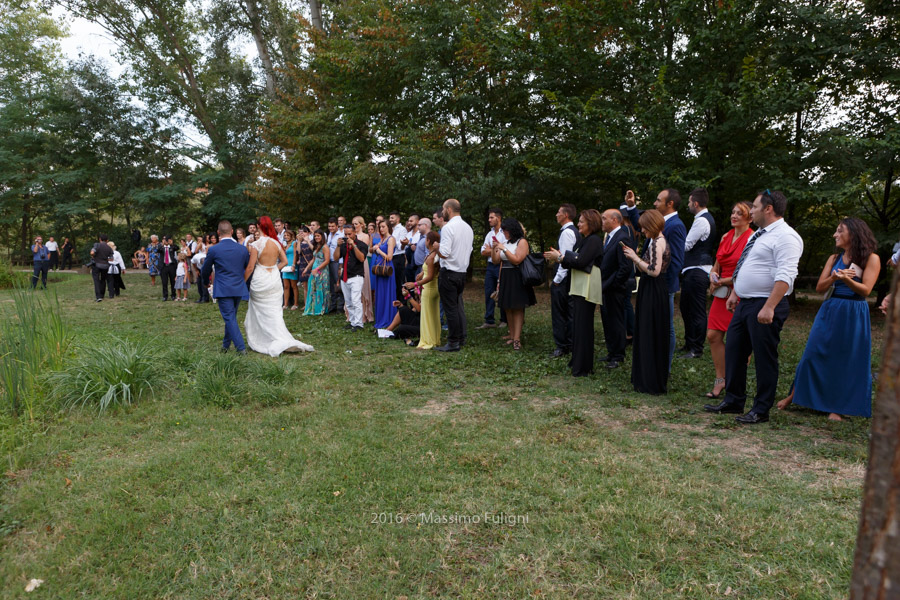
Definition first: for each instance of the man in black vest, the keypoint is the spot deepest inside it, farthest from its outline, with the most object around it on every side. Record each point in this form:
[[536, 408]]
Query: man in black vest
[[616, 270], [101, 254], [562, 307], [700, 248]]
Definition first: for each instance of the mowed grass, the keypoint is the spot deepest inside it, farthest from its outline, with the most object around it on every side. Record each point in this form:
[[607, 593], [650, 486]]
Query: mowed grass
[[294, 487]]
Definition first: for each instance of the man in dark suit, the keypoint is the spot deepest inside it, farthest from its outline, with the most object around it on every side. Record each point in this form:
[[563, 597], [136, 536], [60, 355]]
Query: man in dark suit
[[615, 270], [101, 254], [229, 286], [168, 266], [667, 202]]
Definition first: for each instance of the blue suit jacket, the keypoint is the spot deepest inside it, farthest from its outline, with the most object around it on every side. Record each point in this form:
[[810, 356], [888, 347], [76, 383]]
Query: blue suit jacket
[[675, 233], [230, 260]]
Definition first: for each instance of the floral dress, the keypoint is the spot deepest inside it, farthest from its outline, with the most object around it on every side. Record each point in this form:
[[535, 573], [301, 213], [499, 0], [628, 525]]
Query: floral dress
[[153, 259], [317, 295]]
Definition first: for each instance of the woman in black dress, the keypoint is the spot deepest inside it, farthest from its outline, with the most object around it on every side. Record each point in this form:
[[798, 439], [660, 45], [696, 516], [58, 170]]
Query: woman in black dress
[[513, 295], [650, 359], [584, 256]]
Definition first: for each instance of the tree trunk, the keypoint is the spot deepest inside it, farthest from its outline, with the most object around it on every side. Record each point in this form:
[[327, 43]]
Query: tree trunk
[[315, 14], [261, 47], [876, 568]]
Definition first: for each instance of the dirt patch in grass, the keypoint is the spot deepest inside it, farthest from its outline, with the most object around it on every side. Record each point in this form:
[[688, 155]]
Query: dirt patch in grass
[[439, 406]]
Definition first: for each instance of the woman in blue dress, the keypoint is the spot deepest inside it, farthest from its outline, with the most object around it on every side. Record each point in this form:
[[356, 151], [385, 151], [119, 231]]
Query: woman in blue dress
[[835, 373], [317, 296], [385, 287]]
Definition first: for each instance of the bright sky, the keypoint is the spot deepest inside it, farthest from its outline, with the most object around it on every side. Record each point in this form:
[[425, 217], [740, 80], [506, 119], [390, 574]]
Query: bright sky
[[87, 38]]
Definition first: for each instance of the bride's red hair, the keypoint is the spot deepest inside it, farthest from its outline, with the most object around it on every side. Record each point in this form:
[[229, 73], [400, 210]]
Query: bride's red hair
[[268, 229]]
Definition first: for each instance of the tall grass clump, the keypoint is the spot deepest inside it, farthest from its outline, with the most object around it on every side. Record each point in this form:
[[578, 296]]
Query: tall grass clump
[[34, 339], [9, 277], [114, 372]]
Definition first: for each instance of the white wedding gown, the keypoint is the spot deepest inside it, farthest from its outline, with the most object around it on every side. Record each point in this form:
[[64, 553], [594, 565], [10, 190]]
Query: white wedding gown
[[264, 324]]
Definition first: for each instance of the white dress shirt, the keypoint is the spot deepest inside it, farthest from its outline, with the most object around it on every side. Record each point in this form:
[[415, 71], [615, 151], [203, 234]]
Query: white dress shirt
[[489, 240], [399, 234], [331, 241], [51, 246], [773, 257], [566, 244], [699, 232], [456, 245]]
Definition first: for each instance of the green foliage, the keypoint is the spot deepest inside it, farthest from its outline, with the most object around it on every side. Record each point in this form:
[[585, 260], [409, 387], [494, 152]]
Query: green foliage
[[9, 277], [34, 339], [109, 372], [528, 104]]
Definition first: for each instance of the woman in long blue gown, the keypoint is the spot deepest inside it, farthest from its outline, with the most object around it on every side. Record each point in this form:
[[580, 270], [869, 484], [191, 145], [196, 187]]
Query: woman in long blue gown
[[385, 287], [835, 373]]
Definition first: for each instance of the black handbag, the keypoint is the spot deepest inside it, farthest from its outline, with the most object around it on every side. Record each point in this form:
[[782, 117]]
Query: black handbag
[[532, 269]]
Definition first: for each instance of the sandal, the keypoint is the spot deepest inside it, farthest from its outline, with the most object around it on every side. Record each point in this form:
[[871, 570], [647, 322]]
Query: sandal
[[517, 345], [716, 383], [294, 307]]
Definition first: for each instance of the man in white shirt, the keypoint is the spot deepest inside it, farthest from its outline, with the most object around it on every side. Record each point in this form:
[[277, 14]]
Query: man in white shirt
[[762, 279], [53, 248], [334, 266], [562, 306], [279, 228], [409, 249], [700, 247], [492, 274], [401, 238], [455, 253], [251, 234]]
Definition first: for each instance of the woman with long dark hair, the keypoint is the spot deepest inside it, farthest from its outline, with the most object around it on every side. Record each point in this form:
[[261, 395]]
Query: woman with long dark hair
[[317, 286], [835, 373], [383, 280], [513, 295]]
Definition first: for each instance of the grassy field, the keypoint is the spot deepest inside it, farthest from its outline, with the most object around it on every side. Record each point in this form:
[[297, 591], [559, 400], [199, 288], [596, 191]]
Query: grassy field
[[371, 470]]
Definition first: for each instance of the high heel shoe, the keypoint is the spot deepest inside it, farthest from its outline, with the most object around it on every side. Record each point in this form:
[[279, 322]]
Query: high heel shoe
[[710, 394]]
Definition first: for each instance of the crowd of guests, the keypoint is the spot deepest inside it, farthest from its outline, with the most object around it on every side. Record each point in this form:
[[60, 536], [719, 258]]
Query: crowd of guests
[[406, 276]]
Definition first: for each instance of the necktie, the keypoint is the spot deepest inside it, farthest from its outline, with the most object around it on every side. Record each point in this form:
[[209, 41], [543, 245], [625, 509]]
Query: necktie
[[167, 255], [745, 254], [346, 260]]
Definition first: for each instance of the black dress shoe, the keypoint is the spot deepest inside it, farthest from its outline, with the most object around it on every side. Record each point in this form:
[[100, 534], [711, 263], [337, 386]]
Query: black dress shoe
[[357, 328], [603, 358], [165, 299], [448, 348], [99, 299], [612, 364], [348, 326], [242, 352], [752, 418], [557, 353], [200, 301], [723, 408], [223, 350], [690, 354]]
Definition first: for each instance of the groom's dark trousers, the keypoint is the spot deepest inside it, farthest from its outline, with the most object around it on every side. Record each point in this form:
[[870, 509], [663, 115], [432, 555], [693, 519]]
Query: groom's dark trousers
[[228, 307]]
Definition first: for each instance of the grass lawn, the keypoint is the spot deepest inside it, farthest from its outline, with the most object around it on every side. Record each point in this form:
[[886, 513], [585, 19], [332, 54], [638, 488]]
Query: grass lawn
[[286, 478]]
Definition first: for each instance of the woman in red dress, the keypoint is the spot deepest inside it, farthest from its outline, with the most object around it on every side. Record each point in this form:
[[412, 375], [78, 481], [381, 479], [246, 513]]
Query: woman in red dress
[[727, 257]]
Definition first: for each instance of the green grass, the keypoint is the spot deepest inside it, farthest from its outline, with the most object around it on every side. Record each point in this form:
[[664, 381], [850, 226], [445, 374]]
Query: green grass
[[261, 478]]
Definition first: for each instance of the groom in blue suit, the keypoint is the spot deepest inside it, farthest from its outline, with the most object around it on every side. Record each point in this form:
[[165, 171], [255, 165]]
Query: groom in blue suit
[[229, 286]]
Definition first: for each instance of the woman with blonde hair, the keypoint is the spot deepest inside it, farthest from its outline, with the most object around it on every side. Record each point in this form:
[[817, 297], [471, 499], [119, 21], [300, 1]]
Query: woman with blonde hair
[[359, 224]]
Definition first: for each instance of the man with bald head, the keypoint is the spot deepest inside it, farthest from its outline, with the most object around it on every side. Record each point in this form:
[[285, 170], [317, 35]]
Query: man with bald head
[[615, 271], [421, 250], [455, 253]]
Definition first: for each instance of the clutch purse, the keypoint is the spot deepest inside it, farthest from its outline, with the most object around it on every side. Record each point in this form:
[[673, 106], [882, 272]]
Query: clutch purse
[[722, 292]]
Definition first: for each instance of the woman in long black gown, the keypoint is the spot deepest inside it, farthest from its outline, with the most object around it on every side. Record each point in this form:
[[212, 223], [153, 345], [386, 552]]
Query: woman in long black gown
[[584, 256], [650, 359]]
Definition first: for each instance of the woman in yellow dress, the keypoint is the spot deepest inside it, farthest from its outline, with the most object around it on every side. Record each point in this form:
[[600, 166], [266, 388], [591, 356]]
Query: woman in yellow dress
[[430, 319]]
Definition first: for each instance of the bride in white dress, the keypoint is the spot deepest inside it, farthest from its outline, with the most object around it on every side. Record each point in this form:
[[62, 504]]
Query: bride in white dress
[[264, 324]]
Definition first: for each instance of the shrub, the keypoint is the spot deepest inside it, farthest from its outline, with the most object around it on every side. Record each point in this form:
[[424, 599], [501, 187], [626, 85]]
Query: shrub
[[9, 277], [115, 373]]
